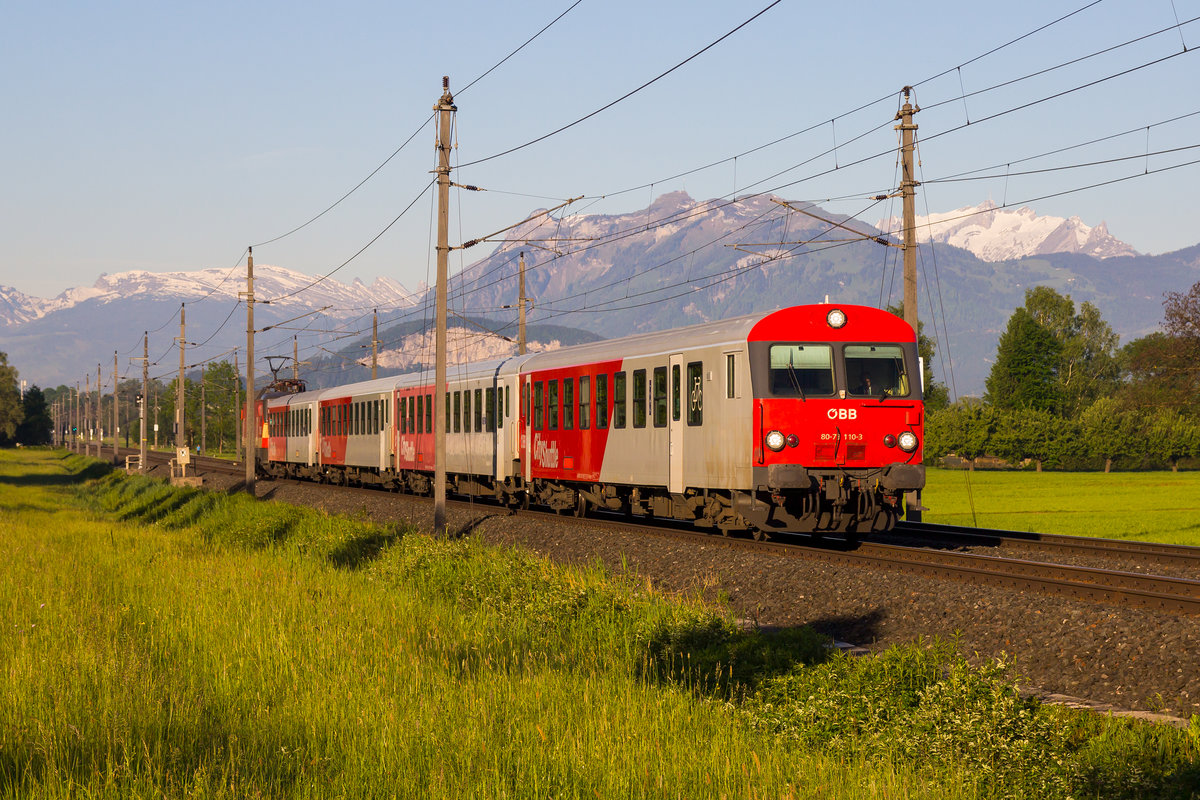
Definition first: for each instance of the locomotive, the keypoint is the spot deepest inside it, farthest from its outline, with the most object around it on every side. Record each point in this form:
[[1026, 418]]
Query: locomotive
[[806, 419]]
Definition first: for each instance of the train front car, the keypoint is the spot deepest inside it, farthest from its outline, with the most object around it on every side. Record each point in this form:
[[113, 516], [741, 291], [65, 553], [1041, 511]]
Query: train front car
[[837, 419]]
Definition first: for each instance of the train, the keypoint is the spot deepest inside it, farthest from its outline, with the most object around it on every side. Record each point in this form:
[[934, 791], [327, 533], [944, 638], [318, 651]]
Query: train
[[807, 419]]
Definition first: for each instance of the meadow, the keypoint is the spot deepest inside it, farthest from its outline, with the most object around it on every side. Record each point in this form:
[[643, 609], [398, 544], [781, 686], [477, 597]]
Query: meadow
[[1149, 506], [163, 642]]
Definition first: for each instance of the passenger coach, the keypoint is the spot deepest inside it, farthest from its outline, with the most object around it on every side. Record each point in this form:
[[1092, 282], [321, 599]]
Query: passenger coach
[[805, 419]]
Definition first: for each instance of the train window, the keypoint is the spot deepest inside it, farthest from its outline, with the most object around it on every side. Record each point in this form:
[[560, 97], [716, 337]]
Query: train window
[[552, 405], [429, 413], [639, 398], [675, 389], [619, 400], [492, 411], [355, 419], [801, 370], [695, 393], [457, 412], [501, 393], [730, 361], [660, 397], [478, 410], [538, 408], [467, 410], [420, 415], [507, 402], [875, 370], [585, 402], [601, 401], [568, 404]]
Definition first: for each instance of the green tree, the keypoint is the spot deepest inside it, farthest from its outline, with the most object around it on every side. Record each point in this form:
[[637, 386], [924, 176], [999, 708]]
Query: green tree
[[1109, 431], [1087, 366], [37, 426], [965, 428], [1171, 436], [1025, 372], [11, 410], [1028, 434]]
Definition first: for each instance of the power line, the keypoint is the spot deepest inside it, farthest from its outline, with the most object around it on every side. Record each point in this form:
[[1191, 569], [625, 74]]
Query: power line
[[625, 96]]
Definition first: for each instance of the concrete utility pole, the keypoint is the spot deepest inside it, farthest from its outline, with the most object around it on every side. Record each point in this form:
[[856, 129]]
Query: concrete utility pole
[[116, 414], [295, 358], [180, 439], [445, 107], [908, 192], [250, 437], [521, 306], [87, 412], [374, 344], [99, 414], [145, 400], [237, 402], [203, 416], [76, 425]]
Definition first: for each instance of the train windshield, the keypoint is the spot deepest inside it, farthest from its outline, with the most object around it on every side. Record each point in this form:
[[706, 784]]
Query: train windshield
[[801, 370], [875, 370]]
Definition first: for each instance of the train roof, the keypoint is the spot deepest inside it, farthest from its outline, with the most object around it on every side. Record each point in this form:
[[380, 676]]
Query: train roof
[[865, 323], [706, 334]]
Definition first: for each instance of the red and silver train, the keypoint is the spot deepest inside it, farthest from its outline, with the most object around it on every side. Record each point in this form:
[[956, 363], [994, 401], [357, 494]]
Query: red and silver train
[[806, 419]]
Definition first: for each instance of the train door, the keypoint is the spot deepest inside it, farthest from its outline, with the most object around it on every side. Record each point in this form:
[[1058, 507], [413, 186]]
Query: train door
[[525, 427], [675, 402]]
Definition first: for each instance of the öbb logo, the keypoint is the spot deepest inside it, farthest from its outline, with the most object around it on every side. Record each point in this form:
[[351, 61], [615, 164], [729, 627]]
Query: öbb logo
[[842, 413]]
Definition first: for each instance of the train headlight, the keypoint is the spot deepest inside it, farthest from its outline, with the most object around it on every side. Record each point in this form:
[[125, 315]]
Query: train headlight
[[907, 441], [889, 441], [836, 318], [775, 441], [793, 440]]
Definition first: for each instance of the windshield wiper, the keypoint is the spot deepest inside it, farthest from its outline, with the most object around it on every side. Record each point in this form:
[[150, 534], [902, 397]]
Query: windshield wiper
[[796, 382]]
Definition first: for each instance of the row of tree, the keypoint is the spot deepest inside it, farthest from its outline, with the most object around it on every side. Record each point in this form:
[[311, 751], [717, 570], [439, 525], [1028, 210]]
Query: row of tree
[[1062, 393], [212, 407]]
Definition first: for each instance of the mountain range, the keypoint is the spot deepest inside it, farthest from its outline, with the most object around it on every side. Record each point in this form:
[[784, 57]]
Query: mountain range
[[1003, 234], [677, 262]]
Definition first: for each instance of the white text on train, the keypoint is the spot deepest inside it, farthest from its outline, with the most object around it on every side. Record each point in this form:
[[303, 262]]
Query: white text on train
[[544, 455]]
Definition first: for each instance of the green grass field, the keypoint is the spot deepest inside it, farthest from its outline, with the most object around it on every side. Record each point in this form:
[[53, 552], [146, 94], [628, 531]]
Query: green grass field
[[1150, 506], [175, 643]]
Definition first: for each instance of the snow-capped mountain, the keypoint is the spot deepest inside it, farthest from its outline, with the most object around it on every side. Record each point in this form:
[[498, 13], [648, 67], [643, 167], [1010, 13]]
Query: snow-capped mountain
[[1003, 234], [269, 282]]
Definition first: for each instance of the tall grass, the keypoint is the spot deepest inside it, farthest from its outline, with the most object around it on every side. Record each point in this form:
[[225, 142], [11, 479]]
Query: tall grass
[[235, 648]]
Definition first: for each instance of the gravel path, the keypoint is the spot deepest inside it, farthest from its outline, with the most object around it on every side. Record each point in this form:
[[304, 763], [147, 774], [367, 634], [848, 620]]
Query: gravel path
[[1127, 658]]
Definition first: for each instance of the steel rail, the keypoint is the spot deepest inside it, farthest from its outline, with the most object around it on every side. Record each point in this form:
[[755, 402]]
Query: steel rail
[[1151, 552]]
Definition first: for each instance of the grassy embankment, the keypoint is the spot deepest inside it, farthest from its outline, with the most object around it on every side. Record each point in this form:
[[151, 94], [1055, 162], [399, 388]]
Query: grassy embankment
[[172, 642], [1151, 506]]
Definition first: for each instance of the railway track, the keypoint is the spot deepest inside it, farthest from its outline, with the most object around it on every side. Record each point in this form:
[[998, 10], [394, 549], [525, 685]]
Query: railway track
[[1144, 552], [1091, 584]]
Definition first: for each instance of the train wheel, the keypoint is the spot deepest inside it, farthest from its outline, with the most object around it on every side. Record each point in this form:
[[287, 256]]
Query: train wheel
[[581, 505]]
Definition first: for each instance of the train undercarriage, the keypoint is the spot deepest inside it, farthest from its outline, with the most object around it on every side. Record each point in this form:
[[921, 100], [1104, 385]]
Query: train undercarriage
[[849, 503]]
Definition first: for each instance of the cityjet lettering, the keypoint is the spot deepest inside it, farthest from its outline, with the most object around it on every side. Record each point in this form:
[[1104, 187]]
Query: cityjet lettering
[[407, 451], [544, 455], [842, 413]]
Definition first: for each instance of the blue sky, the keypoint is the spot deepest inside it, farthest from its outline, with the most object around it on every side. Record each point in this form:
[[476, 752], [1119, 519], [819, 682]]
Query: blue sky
[[145, 135]]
